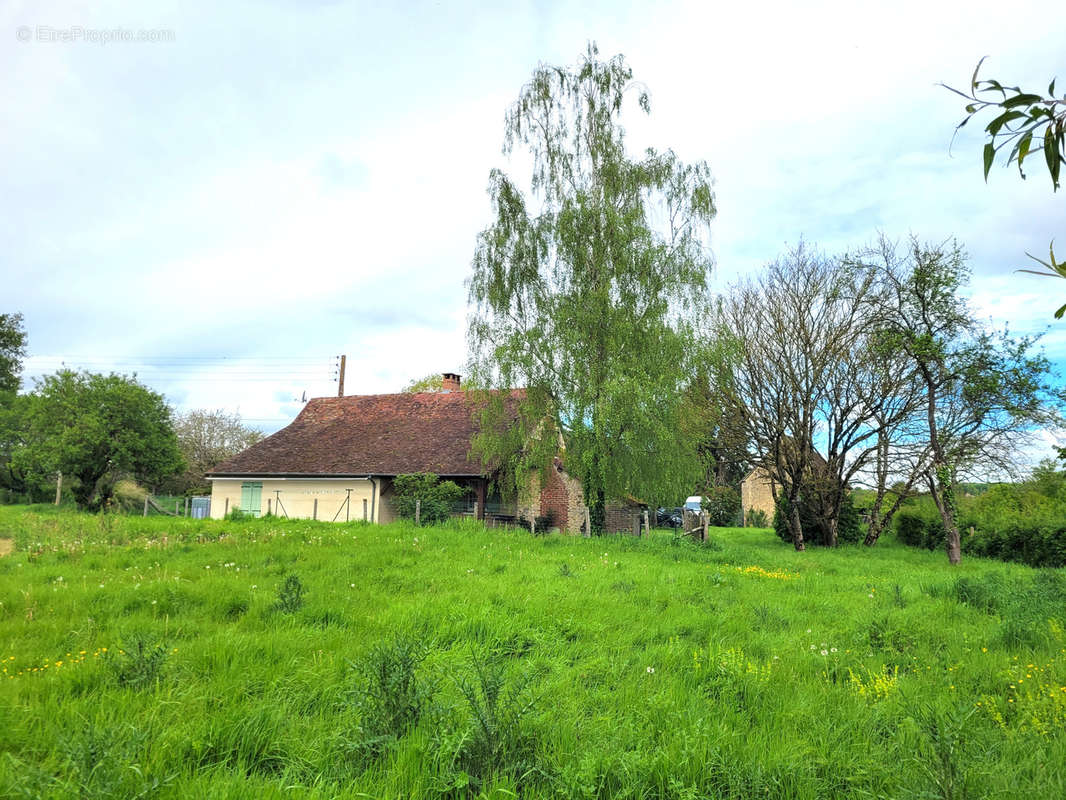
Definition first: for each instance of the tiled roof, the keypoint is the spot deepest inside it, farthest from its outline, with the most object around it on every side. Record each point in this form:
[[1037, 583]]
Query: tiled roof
[[378, 434]]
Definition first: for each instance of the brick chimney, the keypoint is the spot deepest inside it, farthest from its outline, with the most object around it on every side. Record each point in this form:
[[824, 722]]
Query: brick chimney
[[450, 382]]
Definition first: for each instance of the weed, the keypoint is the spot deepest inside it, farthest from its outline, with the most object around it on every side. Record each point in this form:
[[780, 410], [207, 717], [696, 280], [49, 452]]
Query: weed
[[565, 571], [497, 741], [392, 697], [290, 596], [942, 757], [138, 663]]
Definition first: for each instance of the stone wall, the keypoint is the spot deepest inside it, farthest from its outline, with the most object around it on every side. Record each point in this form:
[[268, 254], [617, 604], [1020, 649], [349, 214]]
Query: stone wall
[[756, 492]]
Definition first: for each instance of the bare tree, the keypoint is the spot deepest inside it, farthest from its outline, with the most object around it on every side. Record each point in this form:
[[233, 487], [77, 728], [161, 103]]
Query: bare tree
[[785, 336], [207, 438]]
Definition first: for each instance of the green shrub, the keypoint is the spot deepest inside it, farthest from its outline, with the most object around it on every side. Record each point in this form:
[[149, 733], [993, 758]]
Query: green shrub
[[722, 505], [436, 496], [849, 526], [757, 518]]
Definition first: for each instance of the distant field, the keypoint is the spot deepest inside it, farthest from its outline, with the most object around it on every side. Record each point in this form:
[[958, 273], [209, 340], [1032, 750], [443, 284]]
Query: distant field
[[155, 658]]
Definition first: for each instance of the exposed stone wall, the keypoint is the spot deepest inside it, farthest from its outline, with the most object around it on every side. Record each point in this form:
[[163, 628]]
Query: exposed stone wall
[[563, 497], [756, 493], [561, 494]]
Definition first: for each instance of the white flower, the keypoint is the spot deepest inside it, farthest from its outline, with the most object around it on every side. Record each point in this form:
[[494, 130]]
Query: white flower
[[825, 652], [353, 585], [808, 630], [254, 586], [832, 649], [871, 597], [651, 670], [153, 602], [812, 647]]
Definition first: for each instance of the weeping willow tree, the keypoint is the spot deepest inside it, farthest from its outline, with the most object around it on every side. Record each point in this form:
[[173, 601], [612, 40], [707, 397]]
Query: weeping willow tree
[[587, 292]]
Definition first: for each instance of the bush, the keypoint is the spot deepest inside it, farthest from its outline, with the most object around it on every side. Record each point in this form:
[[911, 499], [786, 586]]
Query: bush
[[849, 526], [1036, 546], [436, 496], [757, 518], [722, 505]]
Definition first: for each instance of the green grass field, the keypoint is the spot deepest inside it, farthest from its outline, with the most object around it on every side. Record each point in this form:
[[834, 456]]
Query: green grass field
[[155, 658]]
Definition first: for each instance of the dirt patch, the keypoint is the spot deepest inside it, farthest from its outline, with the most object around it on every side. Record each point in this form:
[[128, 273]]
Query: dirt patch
[[6, 546]]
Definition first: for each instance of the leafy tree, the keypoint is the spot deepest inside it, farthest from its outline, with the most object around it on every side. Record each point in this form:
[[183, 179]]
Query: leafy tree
[[207, 438], [430, 383], [12, 351], [1021, 117], [722, 505], [436, 496], [586, 291], [982, 392], [97, 429]]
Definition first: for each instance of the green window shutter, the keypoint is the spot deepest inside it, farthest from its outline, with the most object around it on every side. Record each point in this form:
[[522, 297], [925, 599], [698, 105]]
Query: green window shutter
[[252, 497]]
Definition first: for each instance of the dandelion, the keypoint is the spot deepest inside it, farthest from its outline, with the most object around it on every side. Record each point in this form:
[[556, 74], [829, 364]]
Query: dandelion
[[825, 652], [832, 649], [813, 647]]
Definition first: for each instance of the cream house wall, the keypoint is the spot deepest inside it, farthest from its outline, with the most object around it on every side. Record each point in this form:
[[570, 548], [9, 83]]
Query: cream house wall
[[298, 496]]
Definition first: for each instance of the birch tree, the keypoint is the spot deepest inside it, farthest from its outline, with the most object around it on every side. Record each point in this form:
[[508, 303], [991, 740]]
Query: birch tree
[[586, 289]]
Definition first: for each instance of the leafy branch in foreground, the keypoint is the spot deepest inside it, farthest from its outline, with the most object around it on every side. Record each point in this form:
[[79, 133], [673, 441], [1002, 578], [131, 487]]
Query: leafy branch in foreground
[[1023, 115], [1055, 269]]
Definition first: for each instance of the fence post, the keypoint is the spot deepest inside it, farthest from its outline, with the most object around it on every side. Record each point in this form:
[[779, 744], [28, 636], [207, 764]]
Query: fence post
[[225, 511], [187, 506], [314, 510], [176, 507], [418, 511], [588, 523], [59, 486], [705, 518], [647, 528], [364, 510], [268, 506], [476, 516], [146, 505], [533, 526]]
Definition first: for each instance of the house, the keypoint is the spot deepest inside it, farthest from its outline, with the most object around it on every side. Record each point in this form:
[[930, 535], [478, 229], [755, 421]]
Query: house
[[757, 494], [758, 490], [337, 460]]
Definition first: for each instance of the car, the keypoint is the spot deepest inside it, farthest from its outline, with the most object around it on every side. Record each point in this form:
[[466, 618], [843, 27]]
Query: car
[[668, 518], [694, 504]]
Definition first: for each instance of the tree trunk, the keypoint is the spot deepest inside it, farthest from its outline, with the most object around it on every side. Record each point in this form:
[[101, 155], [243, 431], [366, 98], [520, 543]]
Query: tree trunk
[[831, 528], [874, 531], [942, 496], [795, 526]]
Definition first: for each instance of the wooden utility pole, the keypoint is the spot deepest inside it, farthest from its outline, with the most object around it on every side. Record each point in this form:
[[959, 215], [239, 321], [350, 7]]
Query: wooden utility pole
[[340, 377]]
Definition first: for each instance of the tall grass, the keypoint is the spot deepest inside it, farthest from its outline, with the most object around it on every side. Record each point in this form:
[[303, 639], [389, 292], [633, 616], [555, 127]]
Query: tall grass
[[150, 657]]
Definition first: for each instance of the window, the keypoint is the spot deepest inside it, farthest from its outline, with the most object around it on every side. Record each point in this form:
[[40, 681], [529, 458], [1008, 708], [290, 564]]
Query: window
[[252, 497]]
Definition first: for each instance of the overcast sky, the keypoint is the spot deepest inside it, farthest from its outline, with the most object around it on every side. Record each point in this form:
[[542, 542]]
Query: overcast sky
[[257, 188]]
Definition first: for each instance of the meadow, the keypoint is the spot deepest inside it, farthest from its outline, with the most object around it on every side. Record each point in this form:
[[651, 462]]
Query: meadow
[[156, 657]]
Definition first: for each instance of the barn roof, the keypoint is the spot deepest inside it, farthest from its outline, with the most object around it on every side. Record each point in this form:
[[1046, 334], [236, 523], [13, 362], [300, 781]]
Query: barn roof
[[377, 434]]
